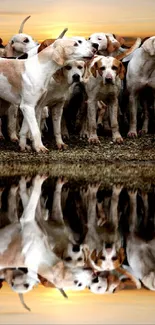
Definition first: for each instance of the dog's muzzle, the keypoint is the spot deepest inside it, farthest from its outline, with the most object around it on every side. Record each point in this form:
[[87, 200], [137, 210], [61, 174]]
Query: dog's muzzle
[[76, 77]]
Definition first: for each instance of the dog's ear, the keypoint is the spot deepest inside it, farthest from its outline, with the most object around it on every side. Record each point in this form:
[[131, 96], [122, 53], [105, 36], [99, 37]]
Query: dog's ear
[[58, 55], [94, 69], [45, 44], [121, 71], [58, 75], [85, 252], [121, 255], [93, 255], [86, 73], [58, 251], [149, 46], [8, 51], [120, 39], [8, 273], [110, 46]]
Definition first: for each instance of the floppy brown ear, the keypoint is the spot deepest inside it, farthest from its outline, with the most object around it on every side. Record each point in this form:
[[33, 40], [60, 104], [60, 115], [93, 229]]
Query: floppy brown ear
[[58, 75], [121, 255], [93, 255], [8, 51], [8, 273], [45, 44], [85, 252], [86, 74], [58, 252], [110, 46], [93, 70], [58, 55], [121, 71], [149, 46]]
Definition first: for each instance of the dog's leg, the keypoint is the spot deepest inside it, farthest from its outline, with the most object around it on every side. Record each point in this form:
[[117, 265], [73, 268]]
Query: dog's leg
[[23, 192], [130, 276], [146, 118], [133, 211], [116, 190], [12, 204], [29, 114], [57, 214], [64, 129], [113, 114], [1, 134], [146, 207], [56, 118], [12, 121], [30, 209], [93, 138], [133, 115]]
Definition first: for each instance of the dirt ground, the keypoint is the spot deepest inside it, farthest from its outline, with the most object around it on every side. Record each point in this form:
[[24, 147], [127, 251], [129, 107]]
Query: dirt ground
[[132, 163]]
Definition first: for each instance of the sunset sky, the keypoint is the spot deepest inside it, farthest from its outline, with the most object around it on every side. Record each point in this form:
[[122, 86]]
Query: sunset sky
[[82, 17]]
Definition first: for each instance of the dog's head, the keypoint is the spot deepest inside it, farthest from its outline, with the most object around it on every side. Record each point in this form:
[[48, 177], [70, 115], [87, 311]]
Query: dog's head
[[105, 282], [21, 280], [72, 72], [108, 68], [109, 258], [149, 46], [104, 42], [75, 255], [67, 49], [19, 44]]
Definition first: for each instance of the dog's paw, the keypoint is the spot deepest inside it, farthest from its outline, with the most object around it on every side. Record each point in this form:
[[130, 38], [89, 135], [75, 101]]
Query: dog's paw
[[94, 139], [132, 134], [118, 139], [62, 146]]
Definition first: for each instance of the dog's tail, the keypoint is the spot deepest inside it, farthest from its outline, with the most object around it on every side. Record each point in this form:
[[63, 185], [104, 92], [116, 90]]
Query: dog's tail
[[130, 50], [62, 33], [23, 302], [22, 24]]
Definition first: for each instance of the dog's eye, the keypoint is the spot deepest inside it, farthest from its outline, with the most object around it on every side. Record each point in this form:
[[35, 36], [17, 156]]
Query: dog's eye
[[26, 40], [114, 258], [89, 287], [68, 259], [99, 288], [76, 44], [26, 285], [102, 68], [80, 284], [89, 39], [99, 39], [12, 42], [114, 68], [80, 259], [75, 281], [102, 258], [79, 67], [79, 41], [68, 67]]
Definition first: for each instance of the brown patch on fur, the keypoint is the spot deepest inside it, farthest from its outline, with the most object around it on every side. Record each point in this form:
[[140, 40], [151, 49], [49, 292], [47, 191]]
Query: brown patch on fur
[[45, 44], [111, 47], [121, 257], [45, 282], [12, 255], [12, 70], [121, 69], [58, 76]]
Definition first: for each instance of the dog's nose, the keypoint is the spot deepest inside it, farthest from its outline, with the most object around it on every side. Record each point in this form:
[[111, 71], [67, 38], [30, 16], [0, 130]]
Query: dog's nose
[[108, 80], [26, 285], [76, 77], [108, 245], [95, 45], [76, 248]]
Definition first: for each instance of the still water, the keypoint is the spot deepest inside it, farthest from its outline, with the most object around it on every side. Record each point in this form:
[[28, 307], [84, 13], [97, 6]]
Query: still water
[[79, 245]]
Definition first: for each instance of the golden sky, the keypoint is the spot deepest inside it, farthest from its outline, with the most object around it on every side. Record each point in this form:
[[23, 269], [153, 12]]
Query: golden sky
[[82, 17]]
